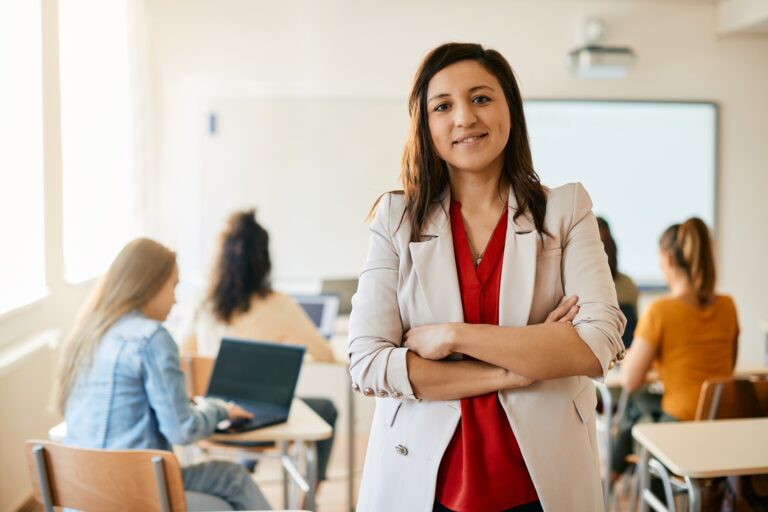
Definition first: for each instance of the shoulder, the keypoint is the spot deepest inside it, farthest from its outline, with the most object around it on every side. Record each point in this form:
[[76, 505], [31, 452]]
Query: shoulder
[[278, 300], [625, 281], [135, 326], [389, 210], [661, 306], [567, 198], [725, 302], [566, 206]]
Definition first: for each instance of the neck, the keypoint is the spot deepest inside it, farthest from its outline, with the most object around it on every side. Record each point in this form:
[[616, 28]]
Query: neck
[[680, 286], [479, 190]]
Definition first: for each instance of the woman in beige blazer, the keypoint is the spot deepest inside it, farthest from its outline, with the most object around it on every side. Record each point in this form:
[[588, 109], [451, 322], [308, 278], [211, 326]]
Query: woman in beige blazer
[[409, 345]]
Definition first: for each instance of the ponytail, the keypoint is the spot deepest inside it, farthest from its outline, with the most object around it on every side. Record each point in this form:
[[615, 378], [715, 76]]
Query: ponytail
[[691, 246]]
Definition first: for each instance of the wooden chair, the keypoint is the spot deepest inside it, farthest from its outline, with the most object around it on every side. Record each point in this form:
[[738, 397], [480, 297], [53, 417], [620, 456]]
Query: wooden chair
[[86, 479], [730, 398]]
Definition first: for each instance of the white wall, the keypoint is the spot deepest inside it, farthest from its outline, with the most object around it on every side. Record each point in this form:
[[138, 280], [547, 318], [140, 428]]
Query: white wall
[[370, 49]]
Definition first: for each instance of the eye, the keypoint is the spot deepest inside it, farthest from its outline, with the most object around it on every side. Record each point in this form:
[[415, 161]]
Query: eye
[[442, 107], [481, 99]]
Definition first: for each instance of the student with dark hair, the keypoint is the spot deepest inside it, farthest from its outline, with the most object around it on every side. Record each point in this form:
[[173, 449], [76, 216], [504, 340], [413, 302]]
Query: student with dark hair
[[465, 325], [242, 303], [626, 290], [691, 335]]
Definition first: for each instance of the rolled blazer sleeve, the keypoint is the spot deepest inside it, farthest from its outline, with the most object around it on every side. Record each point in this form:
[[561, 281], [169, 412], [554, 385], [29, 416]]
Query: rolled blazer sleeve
[[377, 359], [585, 273]]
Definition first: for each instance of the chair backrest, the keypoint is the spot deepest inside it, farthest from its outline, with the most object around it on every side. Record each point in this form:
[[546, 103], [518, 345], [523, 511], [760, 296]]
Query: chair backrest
[[732, 398], [88, 479], [197, 373]]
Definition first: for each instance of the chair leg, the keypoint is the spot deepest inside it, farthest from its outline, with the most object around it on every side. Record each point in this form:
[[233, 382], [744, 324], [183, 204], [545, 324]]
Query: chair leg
[[42, 477], [660, 471], [160, 482]]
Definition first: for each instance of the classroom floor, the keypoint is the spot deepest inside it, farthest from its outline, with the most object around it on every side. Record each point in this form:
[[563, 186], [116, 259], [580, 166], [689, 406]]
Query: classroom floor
[[332, 494]]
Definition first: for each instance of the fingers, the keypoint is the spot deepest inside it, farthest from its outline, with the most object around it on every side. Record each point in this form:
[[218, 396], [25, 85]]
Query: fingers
[[235, 411], [570, 315], [563, 309]]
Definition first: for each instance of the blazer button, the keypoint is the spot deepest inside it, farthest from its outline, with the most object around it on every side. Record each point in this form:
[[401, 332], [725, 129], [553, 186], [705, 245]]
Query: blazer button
[[397, 394], [368, 392], [622, 355], [611, 364], [382, 393], [402, 450], [355, 387]]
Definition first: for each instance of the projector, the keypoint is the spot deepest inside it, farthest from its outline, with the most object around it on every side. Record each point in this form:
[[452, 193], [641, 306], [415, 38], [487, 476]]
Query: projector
[[594, 61]]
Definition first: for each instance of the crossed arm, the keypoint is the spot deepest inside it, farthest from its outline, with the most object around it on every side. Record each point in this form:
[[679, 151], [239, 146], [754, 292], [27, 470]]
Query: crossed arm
[[508, 357]]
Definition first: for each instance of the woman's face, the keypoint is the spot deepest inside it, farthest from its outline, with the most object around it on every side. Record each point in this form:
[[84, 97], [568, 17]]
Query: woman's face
[[160, 305], [468, 116]]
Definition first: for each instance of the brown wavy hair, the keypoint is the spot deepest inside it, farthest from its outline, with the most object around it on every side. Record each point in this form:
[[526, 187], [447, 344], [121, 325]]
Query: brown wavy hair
[[242, 267], [424, 175], [690, 245]]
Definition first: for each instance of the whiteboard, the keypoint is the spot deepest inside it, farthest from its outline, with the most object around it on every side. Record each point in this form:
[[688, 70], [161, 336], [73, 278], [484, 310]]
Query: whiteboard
[[646, 165], [313, 167]]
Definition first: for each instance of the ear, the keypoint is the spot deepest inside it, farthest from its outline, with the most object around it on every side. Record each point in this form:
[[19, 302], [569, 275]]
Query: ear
[[668, 259]]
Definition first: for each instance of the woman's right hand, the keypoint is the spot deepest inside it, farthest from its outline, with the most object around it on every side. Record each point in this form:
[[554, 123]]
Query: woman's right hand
[[235, 412], [565, 311]]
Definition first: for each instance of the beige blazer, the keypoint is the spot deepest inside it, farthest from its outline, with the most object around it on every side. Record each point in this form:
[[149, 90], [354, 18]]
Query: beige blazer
[[406, 284]]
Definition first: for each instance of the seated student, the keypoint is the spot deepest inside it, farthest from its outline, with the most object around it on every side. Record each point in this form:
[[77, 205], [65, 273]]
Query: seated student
[[691, 336], [120, 385], [626, 291], [241, 303]]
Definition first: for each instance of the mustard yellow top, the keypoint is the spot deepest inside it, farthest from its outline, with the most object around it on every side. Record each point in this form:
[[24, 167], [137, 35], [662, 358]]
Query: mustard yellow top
[[693, 344]]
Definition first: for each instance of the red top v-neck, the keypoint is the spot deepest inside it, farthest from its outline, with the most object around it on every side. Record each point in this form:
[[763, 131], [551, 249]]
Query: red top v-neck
[[482, 469]]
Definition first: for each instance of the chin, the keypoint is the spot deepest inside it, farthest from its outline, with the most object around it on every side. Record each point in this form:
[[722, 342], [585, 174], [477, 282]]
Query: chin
[[472, 166]]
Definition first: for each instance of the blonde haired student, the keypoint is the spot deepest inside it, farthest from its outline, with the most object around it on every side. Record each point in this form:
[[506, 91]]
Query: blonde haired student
[[691, 335], [119, 382]]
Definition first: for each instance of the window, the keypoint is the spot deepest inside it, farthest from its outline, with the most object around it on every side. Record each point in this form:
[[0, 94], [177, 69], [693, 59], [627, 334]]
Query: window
[[22, 230], [97, 135]]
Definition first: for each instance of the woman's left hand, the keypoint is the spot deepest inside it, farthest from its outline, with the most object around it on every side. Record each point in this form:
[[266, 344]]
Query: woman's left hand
[[432, 341]]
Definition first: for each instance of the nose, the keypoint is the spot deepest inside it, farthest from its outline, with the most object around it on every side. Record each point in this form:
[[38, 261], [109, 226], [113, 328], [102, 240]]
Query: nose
[[464, 115]]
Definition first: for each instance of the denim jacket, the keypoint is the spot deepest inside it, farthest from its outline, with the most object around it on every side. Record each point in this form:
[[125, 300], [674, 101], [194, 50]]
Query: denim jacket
[[132, 395]]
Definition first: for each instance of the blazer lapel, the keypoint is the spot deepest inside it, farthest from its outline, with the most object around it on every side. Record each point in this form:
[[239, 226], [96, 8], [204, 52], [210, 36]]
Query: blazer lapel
[[518, 271], [435, 266]]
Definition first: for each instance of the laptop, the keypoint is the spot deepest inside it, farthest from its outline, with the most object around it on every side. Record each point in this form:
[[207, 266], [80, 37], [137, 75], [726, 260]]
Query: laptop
[[344, 288], [322, 309], [258, 376]]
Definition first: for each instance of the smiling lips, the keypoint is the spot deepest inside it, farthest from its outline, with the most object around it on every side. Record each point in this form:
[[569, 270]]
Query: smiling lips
[[470, 138]]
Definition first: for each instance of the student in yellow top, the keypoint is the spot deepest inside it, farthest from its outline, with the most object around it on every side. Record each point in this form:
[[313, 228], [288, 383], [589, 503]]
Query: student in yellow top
[[691, 335]]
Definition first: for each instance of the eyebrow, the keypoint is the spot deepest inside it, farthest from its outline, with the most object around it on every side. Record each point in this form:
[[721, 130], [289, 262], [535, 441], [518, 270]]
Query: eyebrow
[[473, 89]]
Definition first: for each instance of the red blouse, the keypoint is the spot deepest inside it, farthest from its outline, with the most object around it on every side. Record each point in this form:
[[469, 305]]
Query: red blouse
[[482, 469]]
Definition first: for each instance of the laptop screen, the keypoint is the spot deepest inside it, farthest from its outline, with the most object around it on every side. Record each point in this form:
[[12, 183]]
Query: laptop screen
[[322, 310], [256, 371]]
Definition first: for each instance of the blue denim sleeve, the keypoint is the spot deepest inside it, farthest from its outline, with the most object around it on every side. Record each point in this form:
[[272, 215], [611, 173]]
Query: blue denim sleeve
[[180, 421]]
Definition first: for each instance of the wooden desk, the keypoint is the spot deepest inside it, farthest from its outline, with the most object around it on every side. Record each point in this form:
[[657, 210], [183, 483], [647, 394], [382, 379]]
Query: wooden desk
[[303, 425], [703, 449], [304, 428]]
